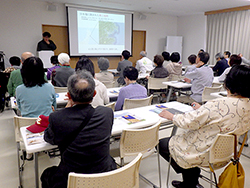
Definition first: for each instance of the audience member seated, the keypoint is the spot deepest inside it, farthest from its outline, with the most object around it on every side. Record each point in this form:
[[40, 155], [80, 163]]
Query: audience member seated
[[104, 76], [244, 60], [15, 64], [159, 71], [61, 75], [200, 77], [144, 65], [81, 132], [54, 61], [221, 64], [227, 55], [35, 97], [16, 77], [191, 61], [230, 114], [132, 90], [101, 98], [166, 57], [122, 65], [233, 60], [174, 68]]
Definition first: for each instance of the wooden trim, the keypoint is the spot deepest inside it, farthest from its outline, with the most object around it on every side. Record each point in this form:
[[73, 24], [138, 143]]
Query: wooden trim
[[228, 10], [54, 25]]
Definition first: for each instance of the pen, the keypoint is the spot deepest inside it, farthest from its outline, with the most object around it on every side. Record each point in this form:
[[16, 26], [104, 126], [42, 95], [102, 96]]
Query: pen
[[193, 105]]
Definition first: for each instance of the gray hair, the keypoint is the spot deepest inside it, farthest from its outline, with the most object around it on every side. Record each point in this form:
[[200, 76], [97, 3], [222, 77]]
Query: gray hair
[[143, 54], [81, 86], [103, 63], [219, 55], [63, 58]]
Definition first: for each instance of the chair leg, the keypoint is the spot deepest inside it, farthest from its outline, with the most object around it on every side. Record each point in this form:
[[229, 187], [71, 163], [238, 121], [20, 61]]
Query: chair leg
[[168, 171], [20, 168], [159, 166]]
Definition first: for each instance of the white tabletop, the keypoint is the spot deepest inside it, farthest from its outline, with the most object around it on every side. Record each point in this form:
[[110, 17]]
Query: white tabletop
[[177, 84], [219, 94], [149, 118], [143, 75], [113, 92], [216, 80], [113, 71]]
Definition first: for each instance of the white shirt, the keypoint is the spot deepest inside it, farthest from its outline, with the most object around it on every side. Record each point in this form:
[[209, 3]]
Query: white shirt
[[144, 65]]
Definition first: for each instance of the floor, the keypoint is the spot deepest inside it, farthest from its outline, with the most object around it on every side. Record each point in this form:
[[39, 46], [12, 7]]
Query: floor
[[9, 170]]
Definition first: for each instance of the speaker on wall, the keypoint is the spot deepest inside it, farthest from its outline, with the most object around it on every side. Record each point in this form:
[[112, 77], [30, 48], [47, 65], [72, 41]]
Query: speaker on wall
[[51, 7], [142, 16]]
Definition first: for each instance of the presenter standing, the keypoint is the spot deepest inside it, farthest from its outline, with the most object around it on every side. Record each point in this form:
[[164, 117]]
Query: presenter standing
[[46, 44]]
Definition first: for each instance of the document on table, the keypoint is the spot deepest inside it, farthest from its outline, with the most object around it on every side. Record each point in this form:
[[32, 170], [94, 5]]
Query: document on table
[[129, 118], [160, 108], [34, 138]]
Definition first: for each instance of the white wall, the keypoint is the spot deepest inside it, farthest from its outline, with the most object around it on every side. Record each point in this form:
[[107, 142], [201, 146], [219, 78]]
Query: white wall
[[157, 27], [21, 24], [21, 28], [193, 30]]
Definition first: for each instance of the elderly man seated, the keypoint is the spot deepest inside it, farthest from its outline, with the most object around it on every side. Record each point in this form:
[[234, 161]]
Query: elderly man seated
[[132, 90], [81, 132]]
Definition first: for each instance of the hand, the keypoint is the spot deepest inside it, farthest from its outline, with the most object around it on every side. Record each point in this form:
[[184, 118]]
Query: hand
[[240, 55], [70, 103], [195, 105], [187, 80], [53, 109], [166, 114], [47, 41]]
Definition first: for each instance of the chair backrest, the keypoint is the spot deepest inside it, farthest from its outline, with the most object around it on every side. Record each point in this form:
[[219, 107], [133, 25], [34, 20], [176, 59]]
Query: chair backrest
[[156, 83], [207, 91], [22, 122], [222, 149], [124, 177], [134, 141], [60, 89], [111, 105], [135, 103], [109, 84]]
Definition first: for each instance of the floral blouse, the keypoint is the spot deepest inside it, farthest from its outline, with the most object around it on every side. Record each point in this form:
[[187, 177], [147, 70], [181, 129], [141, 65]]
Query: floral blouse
[[218, 116]]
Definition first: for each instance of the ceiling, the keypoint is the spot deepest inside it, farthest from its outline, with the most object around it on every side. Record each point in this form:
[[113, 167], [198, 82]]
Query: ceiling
[[168, 7]]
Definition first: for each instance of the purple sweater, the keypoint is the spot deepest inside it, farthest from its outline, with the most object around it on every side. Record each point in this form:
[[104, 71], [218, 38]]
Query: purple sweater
[[131, 91]]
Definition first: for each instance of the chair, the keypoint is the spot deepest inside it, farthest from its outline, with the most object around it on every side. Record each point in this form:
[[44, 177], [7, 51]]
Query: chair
[[21, 122], [207, 91], [111, 105], [156, 84], [135, 103], [60, 89], [219, 155], [109, 84], [134, 141], [124, 177]]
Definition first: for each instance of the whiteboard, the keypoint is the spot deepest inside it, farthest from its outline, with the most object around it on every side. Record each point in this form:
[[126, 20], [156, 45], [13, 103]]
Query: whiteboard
[[174, 44]]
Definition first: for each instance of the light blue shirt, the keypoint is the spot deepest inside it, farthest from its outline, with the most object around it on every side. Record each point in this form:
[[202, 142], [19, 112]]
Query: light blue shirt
[[201, 77], [35, 101]]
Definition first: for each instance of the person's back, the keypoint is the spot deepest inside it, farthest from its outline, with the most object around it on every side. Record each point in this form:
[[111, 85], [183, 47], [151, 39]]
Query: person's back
[[159, 71], [220, 66], [174, 68], [101, 98], [144, 65], [14, 81], [122, 65], [104, 76]]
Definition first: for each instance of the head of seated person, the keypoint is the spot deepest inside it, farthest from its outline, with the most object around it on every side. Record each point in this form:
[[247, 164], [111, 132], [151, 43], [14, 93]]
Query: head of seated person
[[237, 81], [158, 60], [219, 56], [33, 72], [130, 75], [81, 87], [103, 63], [192, 59], [54, 60], [85, 63], [175, 57], [64, 59], [234, 60], [125, 54], [15, 61], [202, 58], [166, 56]]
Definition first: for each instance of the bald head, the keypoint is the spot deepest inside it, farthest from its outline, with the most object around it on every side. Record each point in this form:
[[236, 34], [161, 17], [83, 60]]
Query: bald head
[[25, 56]]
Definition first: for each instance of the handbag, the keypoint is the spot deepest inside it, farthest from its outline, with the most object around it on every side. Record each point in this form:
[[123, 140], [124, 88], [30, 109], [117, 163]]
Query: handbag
[[233, 176]]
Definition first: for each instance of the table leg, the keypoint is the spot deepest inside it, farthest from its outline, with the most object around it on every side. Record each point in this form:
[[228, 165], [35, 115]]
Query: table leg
[[169, 93], [36, 169]]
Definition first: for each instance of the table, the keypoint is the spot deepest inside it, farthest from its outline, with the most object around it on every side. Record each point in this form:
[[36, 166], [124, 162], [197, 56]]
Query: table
[[176, 85], [114, 71], [145, 113], [113, 93]]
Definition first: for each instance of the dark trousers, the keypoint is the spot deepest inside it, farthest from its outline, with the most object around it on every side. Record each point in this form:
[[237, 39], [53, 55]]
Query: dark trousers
[[190, 176]]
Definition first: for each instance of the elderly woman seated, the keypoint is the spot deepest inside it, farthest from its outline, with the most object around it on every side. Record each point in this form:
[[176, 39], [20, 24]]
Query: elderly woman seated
[[225, 115], [104, 76]]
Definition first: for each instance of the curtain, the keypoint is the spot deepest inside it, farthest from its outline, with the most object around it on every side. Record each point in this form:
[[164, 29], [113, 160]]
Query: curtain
[[228, 31]]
